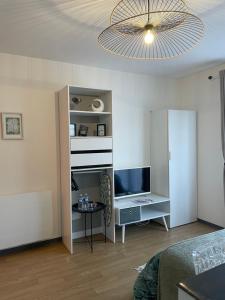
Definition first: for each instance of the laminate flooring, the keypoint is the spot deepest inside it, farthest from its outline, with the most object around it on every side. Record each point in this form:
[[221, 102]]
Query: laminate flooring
[[49, 272]]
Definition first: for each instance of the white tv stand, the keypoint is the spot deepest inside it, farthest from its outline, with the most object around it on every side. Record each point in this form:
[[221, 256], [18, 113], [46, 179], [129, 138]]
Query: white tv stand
[[137, 209]]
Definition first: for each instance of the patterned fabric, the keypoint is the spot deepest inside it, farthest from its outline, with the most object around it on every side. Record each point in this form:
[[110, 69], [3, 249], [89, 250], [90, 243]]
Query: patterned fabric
[[146, 285], [178, 261], [106, 196], [162, 273]]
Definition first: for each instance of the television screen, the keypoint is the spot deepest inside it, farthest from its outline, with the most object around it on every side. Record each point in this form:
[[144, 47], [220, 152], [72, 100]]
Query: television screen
[[132, 181]]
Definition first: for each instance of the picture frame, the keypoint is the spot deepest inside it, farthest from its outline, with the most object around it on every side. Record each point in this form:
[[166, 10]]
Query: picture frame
[[101, 129], [12, 126], [83, 130], [73, 130]]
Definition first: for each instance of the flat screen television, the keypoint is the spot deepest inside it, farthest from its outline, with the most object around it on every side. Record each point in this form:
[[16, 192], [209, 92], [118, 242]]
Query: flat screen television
[[130, 182]]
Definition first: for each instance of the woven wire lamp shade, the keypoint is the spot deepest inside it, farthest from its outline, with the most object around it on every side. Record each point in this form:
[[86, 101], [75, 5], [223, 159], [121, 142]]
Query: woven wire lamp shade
[[174, 28]]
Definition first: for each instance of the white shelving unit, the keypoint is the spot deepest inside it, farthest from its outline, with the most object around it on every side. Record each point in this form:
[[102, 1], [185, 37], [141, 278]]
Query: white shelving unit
[[84, 157], [137, 209]]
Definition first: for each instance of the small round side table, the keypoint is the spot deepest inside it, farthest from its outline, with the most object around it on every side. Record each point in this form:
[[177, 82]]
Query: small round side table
[[90, 211]]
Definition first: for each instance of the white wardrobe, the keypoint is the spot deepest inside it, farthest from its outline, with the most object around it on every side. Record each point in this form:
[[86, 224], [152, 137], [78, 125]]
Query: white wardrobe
[[174, 162]]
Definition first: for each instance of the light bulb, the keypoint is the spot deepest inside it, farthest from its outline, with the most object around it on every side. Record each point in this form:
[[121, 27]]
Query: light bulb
[[149, 37]]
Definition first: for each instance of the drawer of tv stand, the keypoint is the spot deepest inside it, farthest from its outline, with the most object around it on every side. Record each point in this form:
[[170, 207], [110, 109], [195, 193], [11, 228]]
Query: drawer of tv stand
[[128, 215]]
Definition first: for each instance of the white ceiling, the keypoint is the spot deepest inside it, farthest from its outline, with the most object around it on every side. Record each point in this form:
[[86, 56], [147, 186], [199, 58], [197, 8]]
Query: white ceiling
[[67, 30]]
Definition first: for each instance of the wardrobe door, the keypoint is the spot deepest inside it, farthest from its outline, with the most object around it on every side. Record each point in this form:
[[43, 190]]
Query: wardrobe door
[[182, 166], [159, 155]]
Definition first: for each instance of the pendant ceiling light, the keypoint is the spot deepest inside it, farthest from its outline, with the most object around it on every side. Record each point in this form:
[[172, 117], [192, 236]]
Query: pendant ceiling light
[[151, 29]]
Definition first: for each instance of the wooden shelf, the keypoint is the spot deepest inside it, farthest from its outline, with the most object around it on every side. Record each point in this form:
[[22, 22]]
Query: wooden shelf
[[89, 113]]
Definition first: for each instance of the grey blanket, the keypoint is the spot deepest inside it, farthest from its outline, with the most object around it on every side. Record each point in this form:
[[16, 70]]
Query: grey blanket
[[162, 273]]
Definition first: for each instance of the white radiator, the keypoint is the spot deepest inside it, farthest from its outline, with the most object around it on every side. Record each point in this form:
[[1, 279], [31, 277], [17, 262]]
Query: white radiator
[[25, 218]]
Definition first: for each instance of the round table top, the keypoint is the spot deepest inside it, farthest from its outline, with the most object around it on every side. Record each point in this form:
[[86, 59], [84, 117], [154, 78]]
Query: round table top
[[98, 207]]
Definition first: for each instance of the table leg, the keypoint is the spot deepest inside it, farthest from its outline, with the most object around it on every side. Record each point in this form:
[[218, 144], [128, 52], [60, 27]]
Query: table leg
[[123, 234], [85, 225], [91, 235], [164, 221]]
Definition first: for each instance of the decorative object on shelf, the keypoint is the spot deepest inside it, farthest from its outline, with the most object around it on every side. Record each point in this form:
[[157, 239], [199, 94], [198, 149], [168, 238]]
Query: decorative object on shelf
[[151, 29], [74, 102], [72, 130], [101, 129], [97, 105], [83, 131], [12, 127], [106, 196]]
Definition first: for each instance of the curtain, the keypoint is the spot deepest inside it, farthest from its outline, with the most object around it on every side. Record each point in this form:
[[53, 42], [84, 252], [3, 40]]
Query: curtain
[[222, 95]]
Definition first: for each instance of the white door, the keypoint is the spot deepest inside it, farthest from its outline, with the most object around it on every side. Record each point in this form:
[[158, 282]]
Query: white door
[[182, 167]]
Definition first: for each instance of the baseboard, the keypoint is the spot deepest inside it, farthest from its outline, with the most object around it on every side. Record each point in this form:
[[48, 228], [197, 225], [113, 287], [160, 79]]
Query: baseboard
[[80, 234], [210, 224], [76, 235], [29, 246]]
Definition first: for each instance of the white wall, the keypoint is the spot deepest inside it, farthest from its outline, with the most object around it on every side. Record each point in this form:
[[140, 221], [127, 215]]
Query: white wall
[[197, 92], [28, 85]]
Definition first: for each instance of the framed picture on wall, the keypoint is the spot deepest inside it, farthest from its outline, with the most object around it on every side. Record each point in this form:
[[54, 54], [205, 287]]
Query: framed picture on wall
[[12, 126]]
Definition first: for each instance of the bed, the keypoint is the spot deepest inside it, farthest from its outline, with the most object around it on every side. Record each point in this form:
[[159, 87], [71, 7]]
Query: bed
[[159, 278]]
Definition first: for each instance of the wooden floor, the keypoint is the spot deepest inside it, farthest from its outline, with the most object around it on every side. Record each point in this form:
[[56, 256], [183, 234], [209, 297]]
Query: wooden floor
[[49, 272]]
